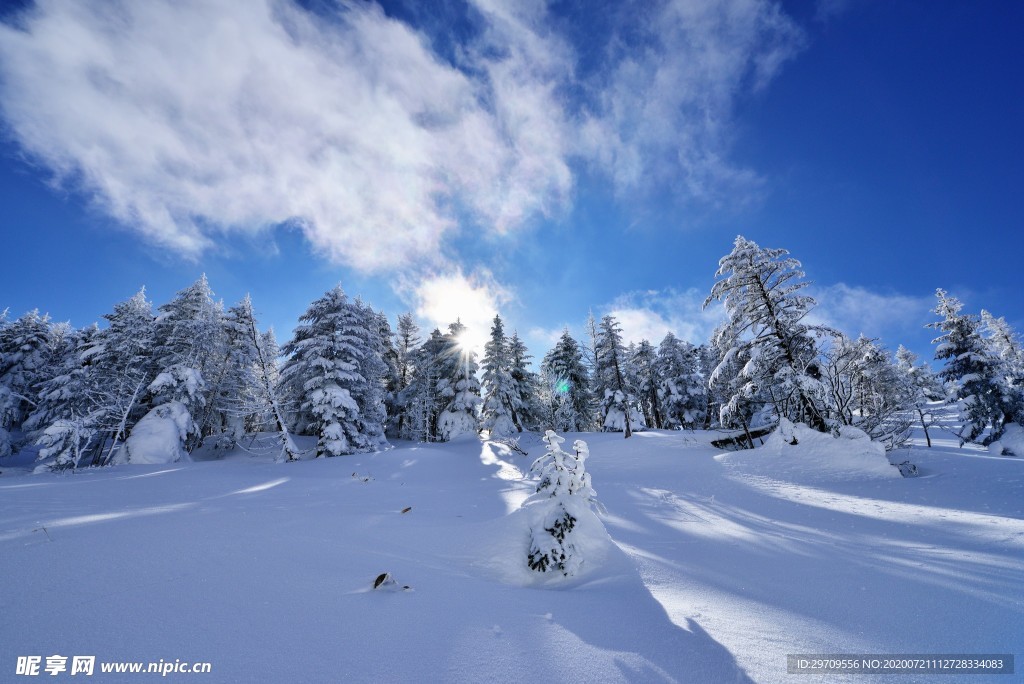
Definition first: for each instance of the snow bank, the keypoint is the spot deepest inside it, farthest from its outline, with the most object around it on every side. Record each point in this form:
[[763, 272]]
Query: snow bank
[[1010, 444], [797, 450], [160, 435]]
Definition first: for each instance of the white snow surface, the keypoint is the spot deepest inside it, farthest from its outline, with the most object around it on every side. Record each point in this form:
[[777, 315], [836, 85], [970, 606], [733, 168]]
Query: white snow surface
[[159, 436], [816, 456], [1011, 443], [713, 567]]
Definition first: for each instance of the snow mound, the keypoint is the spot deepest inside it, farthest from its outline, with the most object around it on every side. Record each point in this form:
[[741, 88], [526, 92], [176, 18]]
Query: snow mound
[[798, 452], [160, 435], [1010, 444]]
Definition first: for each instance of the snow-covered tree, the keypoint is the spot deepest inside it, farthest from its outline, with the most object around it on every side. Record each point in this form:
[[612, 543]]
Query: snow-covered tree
[[501, 400], [189, 333], [922, 387], [65, 422], [973, 372], [738, 402], [563, 497], [1004, 344], [525, 384], [122, 358], [458, 386], [566, 386], [250, 398], [25, 358], [617, 400], [323, 375], [375, 369], [407, 341], [761, 291], [865, 388], [682, 389], [422, 399], [643, 371]]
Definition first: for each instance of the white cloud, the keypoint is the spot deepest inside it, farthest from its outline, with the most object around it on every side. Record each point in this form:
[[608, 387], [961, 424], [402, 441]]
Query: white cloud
[[665, 112], [441, 299], [855, 310], [183, 119], [188, 119], [649, 315]]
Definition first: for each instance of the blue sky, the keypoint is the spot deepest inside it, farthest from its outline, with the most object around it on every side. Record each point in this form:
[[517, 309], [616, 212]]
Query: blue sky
[[538, 159]]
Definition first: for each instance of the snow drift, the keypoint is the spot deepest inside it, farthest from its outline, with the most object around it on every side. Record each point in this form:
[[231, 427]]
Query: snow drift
[[795, 449]]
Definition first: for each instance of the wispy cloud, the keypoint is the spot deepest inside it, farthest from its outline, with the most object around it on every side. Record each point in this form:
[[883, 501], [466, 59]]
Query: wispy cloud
[[185, 120], [857, 310], [651, 314], [666, 106]]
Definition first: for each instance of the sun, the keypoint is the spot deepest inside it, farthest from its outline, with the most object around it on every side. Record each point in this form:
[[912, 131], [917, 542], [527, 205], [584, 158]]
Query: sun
[[463, 342]]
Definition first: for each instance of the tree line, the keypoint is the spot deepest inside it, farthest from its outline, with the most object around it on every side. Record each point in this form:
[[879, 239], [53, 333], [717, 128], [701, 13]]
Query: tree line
[[205, 373]]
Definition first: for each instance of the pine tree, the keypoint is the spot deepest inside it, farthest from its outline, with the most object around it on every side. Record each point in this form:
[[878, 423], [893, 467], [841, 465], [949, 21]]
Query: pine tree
[[66, 420], [760, 289], [681, 387], [407, 341], [25, 358], [643, 362], [375, 368], [740, 403], [1004, 344], [972, 372], [121, 356], [422, 398], [189, 342], [458, 387], [562, 498], [566, 385], [525, 384], [392, 380], [323, 374], [617, 406], [499, 414]]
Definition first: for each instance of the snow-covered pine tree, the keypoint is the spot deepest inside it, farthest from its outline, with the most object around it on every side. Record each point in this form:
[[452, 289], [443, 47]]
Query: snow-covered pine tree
[[760, 289], [499, 414], [250, 397], [392, 380], [682, 389], [65, 422], [617, 401], [422, 398], [566, 384], [740, 403], [61, 383], [1006, 345], [25, 357], [972, 374], [922, 387], [407, 341], [189, 334], [122, 368], [563, 497], [375, 369], [525, 384], [458, 386], [322, 373], [237, 399], [643, 362]]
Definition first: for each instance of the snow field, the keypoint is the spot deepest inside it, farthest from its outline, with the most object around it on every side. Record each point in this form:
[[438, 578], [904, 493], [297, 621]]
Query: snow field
[[712, 569]]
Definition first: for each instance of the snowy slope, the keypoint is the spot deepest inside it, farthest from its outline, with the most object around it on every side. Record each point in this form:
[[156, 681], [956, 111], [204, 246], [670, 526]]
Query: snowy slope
[[714, 571]]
